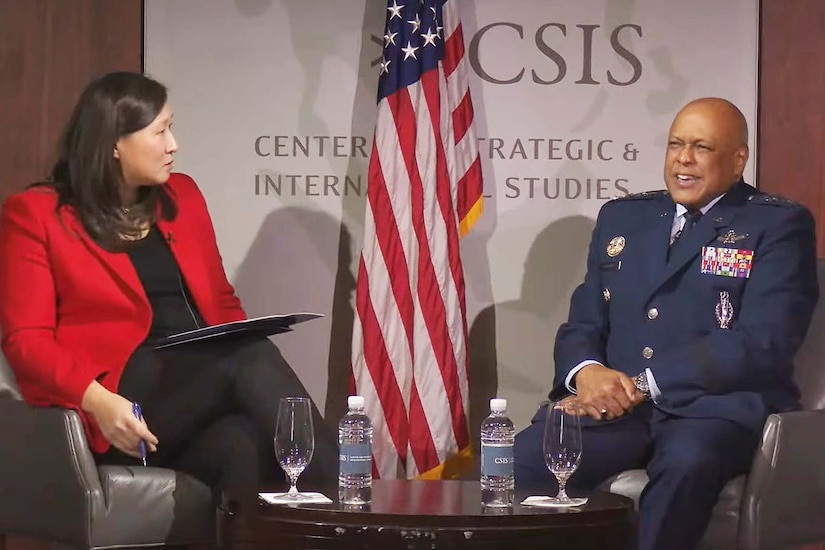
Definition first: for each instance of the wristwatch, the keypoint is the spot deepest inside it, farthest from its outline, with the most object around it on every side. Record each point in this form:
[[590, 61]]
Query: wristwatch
[[640, 381]]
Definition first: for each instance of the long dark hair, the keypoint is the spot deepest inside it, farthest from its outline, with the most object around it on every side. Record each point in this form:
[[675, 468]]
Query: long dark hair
[[86, 175]]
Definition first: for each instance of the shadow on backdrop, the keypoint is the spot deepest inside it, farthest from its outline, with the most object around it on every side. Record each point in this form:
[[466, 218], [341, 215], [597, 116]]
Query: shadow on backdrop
[[293, 265], [475, 259], [517, 363], [353, 208], [314, 51]]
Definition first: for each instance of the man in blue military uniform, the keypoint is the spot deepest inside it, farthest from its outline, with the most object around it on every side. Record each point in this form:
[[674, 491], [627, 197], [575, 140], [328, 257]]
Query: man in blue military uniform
[[680, 340]]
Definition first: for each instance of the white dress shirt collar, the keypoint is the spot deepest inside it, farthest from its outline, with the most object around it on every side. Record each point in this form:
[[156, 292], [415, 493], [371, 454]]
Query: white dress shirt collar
[[681, 209]]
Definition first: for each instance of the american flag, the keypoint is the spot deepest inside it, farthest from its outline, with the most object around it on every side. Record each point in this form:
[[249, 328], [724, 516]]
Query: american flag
[[424, 190]]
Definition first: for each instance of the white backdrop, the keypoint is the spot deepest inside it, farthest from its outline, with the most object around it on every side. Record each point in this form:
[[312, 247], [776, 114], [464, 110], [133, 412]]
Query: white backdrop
[[274, 110]]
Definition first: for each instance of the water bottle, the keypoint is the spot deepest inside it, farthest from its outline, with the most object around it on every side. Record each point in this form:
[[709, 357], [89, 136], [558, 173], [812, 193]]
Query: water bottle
[[497, 438], [355, 454]]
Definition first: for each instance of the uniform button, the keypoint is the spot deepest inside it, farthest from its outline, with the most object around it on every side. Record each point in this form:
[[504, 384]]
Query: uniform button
[[647, 353], [652, 313]]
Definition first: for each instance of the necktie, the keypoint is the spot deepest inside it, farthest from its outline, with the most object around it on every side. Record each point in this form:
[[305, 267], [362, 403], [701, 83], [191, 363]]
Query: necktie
[[691, 219]]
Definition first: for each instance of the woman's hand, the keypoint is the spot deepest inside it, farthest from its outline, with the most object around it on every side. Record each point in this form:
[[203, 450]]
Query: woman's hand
[[115, 416]]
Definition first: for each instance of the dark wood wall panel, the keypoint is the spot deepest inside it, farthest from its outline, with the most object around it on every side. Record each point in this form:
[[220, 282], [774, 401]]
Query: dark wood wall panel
[[49, 49], [791, 146]]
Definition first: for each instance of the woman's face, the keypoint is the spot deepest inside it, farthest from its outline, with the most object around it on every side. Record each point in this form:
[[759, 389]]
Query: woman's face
[[146, 155]]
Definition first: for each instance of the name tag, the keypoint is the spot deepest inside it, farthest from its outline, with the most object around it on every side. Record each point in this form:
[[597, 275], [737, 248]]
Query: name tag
[[610, 266], [727, 262]]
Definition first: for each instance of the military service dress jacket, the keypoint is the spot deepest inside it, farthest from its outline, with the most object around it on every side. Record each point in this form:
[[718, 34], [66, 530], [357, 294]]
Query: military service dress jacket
[[717, 318]]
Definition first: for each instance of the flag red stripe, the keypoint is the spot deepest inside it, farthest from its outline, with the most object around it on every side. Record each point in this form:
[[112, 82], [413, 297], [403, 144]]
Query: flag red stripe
[[449, 368], [403, 112], [432, 305], [376, 355], [453, 51], [421, 437], [389, 239], [469, 194], [379, 366], [462, 118]]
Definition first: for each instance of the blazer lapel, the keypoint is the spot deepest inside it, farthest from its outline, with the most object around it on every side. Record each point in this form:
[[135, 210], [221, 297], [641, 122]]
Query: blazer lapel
[[118, 264], [706, 230]]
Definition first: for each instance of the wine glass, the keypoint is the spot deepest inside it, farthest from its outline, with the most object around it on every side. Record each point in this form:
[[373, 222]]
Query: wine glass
[[294, 439], [563, 446]]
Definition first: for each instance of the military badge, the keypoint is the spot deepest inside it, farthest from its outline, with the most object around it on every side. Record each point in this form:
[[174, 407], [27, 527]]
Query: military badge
[[606, 294], [724, 310], [727, 262], [730, 237], [615, 246]]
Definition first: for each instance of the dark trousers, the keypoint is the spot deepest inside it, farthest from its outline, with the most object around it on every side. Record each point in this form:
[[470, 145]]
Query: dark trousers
[[688, 461], [213, 407]]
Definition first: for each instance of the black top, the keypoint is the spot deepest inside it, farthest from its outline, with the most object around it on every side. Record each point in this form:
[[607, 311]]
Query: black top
[[173, 309]]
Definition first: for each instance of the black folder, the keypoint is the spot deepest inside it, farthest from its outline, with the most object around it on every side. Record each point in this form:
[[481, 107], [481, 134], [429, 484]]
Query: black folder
[[265, 326]]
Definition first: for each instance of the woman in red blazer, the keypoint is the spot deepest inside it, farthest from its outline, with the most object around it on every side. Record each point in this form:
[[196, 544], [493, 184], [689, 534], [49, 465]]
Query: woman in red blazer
[[112, 252]]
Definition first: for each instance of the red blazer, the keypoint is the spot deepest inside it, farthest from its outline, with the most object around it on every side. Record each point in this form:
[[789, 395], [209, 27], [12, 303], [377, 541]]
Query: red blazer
[[71, 312]]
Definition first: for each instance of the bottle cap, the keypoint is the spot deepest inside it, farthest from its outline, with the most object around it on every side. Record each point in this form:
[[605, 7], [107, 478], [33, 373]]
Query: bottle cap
[[498, 405], [355, 402]]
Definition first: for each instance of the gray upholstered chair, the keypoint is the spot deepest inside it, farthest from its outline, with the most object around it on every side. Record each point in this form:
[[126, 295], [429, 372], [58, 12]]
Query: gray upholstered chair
[[780, 504], [51, 489]]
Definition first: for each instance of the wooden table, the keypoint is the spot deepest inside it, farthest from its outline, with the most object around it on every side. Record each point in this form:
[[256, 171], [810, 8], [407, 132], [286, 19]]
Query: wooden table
[[429, 514]]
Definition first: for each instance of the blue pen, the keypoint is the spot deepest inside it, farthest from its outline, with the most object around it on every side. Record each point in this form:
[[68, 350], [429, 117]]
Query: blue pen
[[142, 445]]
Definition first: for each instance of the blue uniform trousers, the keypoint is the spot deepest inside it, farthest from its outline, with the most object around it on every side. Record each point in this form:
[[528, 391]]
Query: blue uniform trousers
[[688, 461]]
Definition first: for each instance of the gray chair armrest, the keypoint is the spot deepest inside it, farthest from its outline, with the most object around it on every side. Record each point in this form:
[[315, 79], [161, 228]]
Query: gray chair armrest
[[785, 493], [152, 506], [48, 478]]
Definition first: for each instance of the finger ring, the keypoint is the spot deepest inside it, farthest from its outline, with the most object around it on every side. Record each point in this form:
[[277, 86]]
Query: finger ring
[[604, 412]]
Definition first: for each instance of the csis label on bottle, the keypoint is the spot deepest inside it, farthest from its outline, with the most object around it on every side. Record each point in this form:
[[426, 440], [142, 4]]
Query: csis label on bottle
[[496, 460], [355, 459]]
